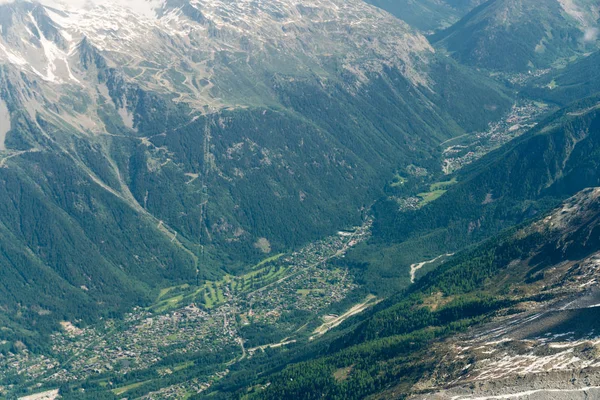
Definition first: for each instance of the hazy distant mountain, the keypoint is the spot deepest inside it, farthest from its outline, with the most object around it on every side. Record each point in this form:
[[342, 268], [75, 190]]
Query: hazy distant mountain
[[522, 35], [428, 15]]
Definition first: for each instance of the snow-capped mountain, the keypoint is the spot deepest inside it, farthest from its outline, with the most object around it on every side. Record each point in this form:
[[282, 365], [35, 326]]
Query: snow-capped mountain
[[196, 48]]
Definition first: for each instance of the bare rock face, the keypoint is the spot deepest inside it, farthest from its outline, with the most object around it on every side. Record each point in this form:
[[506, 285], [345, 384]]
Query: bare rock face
[[194, 50], [539, 350]]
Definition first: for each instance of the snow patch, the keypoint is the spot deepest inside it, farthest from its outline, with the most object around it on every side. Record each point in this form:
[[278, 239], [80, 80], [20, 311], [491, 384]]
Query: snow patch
[[146, 8], [55, 57], [527, 394], [12, 57], [591, 35], [5, 124]]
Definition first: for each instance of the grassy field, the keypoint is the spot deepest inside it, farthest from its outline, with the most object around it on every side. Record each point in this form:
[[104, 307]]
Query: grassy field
[[121, 390], [165, 291], [428, 197], [213, 293], [398, 181], [442, 185], [167, 304], [268, 260], [183, 366], [436, 190]]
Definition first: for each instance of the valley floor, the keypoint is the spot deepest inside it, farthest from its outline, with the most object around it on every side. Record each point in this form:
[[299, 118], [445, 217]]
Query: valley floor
[[215, 318]]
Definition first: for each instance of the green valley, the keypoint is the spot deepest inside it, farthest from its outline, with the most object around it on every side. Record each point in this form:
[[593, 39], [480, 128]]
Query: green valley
[[299, 199]]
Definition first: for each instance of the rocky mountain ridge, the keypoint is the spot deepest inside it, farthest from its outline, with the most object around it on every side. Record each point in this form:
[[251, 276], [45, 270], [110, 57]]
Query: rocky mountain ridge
[[538, 350], [191, 50]]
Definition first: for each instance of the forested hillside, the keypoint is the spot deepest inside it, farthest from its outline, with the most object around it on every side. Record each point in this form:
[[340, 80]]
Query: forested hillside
[[527, 176], [125, 172], [521, 35], [296, 199], [429, 15], [563, 86], [389, 349]]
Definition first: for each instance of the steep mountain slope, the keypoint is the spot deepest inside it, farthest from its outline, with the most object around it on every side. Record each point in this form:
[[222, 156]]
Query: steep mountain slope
[[554, 160], [524, 302], [160, 145], [517, 314], [564, 86], [429, 15], [522, 35], [540, 349]]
